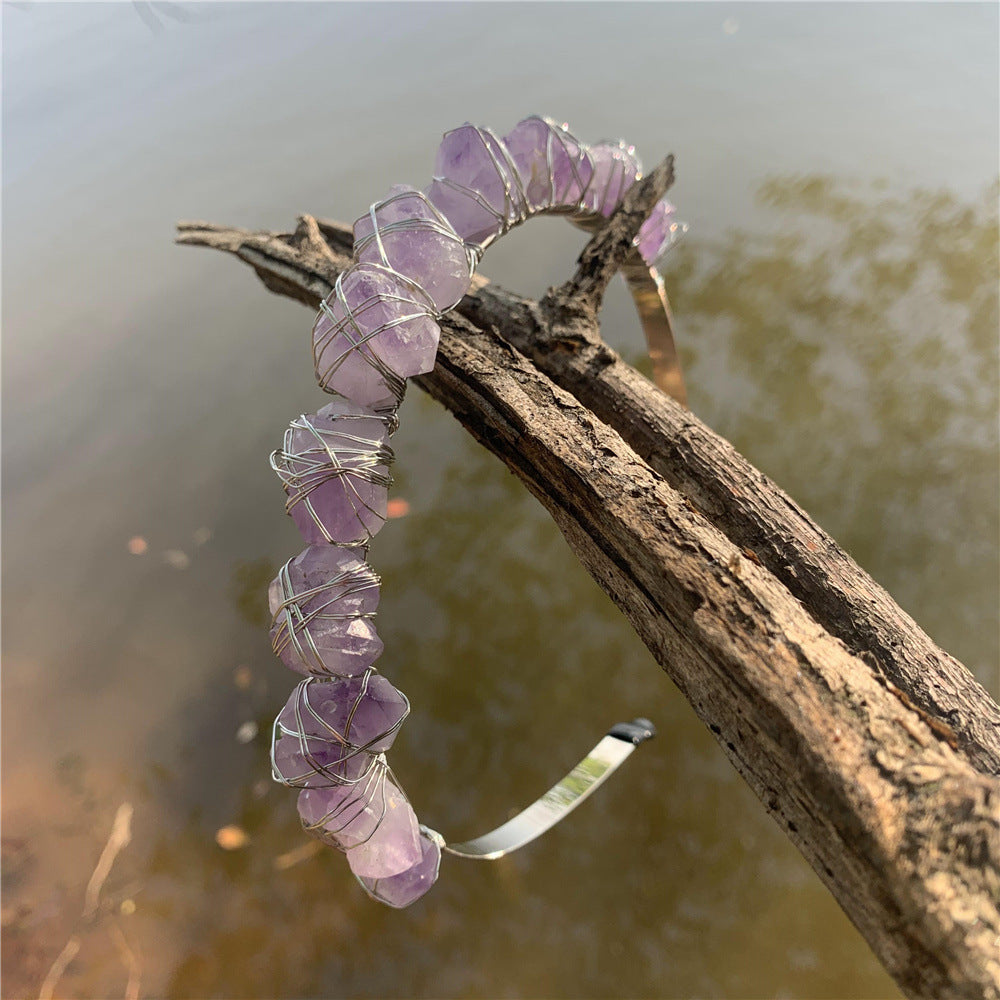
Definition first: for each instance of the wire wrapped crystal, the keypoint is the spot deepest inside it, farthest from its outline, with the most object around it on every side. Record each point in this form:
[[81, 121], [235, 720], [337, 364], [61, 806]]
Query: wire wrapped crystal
[[554, 167], [374, 330], [659, 232], [322, 603], [331, 731], [616, 169], [408, 234], [334, 467], [371, 820], [476, 186]]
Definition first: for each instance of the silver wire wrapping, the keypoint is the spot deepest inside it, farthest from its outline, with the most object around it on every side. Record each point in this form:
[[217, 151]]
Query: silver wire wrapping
[[345, 340], [335, 453], [577, 154], [431, 221], [315, 749], [358, 810], [312, 624], [514, 209], [606, 192]]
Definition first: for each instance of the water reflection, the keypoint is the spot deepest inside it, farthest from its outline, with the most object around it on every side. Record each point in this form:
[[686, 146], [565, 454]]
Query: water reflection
[[850, 351]]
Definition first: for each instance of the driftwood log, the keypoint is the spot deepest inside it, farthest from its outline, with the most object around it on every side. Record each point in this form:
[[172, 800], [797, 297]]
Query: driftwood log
[[876, 751]]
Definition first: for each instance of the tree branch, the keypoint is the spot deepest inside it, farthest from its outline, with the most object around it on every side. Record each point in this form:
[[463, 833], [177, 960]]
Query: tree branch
[[861, 772]]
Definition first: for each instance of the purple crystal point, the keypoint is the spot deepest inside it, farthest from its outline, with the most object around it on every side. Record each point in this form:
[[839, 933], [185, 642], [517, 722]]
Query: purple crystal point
[[554, 166], [322, 601], [374, 330], [407, 233], [395, 845], [659, 232], [475, 184], [616, 169], [408, 886], [334, 466], [331, 731]]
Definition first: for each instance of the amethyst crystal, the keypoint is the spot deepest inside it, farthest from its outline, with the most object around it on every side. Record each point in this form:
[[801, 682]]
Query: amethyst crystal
[[374, 330], [330, 731], [554, 167], [394, 845], [475, 184], [334, 465], [659, 232], [616, 169], [322, 601], [408, 886], [351, 817], [407, 233]]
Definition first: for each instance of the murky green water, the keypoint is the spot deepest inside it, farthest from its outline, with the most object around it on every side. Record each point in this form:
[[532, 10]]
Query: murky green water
[[837, 310]]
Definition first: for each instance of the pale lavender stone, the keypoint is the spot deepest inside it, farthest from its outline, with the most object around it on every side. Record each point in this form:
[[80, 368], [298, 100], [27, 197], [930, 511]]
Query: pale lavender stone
[[616, 169], [334, 466], [407, 887], [350, 816], [415, 240], [394, 846], [322, 601], [374, 331], [659, 232], [554, 167], [474, 185], [330, 730]]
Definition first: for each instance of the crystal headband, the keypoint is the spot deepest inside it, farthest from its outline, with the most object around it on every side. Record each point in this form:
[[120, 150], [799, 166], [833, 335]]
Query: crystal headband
[[415, 255]]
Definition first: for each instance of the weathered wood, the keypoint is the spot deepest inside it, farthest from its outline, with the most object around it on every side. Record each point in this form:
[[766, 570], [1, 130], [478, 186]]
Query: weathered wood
[[897, 822]]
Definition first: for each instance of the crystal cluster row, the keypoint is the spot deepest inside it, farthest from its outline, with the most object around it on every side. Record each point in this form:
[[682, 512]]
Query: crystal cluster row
[[415, 253]]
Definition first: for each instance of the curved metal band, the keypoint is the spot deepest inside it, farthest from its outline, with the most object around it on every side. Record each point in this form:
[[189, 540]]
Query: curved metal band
[[650, 297], [562, 798]]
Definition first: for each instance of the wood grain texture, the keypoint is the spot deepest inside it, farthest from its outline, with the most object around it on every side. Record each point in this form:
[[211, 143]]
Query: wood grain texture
[[873, 749]]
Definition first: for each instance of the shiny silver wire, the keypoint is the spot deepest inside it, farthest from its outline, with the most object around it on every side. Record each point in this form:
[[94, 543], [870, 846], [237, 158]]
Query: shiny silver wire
[[370, 794], [623, 163], [437, 224], [310, 741], [577, 153], [333, 454], [356, 338], [298, 611], [515, 208]]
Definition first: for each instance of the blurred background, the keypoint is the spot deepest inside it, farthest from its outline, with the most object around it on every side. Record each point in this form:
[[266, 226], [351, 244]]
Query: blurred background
[[836, 308]]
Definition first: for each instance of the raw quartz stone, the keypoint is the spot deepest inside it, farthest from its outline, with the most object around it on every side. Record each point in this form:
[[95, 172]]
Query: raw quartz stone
[[334, 466], [474, 185], [349, 817], [616, 169], [375, 330], [659, 232], [408, 886], [330, 731], [554, 167], [395, 844], [415, 240], [321, 602]]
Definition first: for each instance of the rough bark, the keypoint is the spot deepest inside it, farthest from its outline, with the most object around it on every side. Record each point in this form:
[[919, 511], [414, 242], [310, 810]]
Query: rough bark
[[868, 744]]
